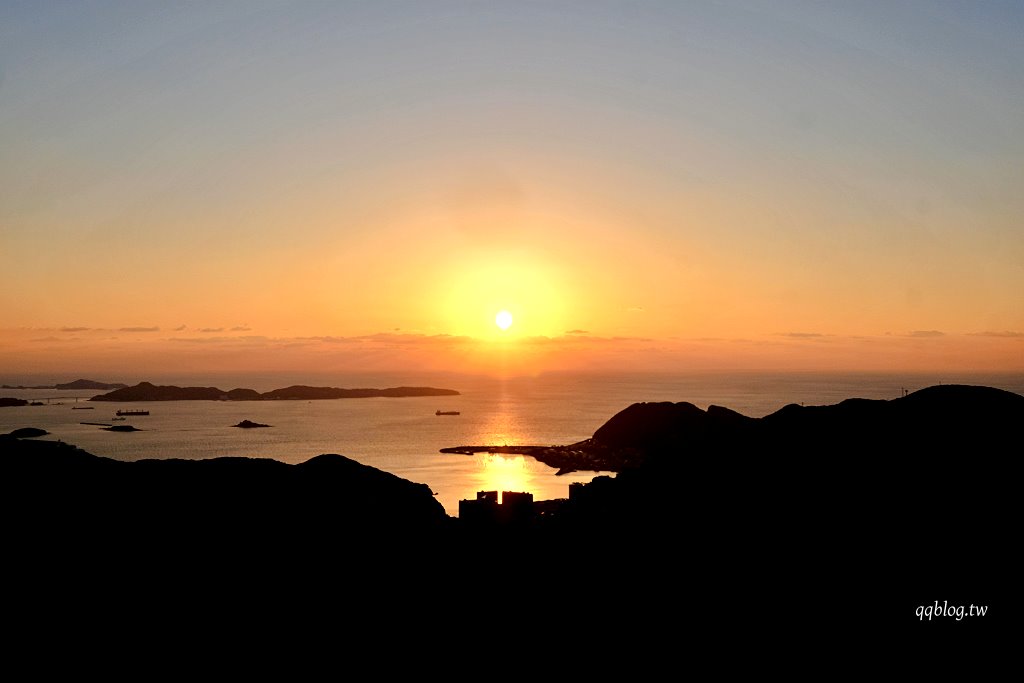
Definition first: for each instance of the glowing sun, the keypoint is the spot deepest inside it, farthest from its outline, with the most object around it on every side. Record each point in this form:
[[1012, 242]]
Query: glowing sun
[[503, 320]]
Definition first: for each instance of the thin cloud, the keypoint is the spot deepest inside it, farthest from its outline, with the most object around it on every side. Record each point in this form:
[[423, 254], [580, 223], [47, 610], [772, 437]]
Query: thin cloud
[[179, 328], [801, 335], [925, 334], [138, 329], [241, 329], [577, 332], [409, 338], [326, 340], [225, 340], [576, 340], [1005, 334], [74, 329], [211, 329]]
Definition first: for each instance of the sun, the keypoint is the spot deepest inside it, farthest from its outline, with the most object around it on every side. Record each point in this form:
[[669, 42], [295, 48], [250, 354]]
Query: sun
[[503, 320]]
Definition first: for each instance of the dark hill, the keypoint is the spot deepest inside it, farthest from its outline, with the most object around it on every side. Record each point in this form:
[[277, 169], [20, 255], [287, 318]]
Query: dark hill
[[257, 497], [215, 546], [933, 418], [884, 504]]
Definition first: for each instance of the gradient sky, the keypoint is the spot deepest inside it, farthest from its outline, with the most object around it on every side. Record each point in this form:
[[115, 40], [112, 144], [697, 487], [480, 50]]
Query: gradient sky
[[644, 185]]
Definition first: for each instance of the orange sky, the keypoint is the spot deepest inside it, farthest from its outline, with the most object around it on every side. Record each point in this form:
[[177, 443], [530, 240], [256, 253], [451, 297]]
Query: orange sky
[[725, 185]]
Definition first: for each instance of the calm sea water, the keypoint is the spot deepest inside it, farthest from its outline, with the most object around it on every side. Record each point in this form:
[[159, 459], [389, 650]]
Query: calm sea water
[[404, 436]]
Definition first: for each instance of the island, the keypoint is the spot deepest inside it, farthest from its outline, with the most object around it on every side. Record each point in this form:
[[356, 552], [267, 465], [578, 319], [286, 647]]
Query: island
[[27, 433], [10, 402], [249, 424], [75, 385], [146, 391]]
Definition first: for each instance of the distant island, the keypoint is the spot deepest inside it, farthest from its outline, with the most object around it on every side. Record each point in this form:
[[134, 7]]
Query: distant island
[[10, 402], [145, 391], [76, 385]]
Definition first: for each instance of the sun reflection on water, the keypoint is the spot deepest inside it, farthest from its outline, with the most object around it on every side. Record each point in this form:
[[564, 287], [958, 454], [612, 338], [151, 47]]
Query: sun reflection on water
[[504, 473], [501, 427]]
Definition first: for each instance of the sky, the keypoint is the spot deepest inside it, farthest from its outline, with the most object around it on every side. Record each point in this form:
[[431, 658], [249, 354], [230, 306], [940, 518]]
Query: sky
[[673, 186]]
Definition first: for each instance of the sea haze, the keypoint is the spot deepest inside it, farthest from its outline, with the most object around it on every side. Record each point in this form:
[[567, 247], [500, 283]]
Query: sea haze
[[403, 435]]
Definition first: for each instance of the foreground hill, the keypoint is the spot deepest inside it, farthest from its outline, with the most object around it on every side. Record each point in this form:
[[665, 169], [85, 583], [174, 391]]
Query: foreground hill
[[145, 391], [888, 505], [68, 488]]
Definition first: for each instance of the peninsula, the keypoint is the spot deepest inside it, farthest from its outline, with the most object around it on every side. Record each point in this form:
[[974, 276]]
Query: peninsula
[[145, 391], [932, 420]]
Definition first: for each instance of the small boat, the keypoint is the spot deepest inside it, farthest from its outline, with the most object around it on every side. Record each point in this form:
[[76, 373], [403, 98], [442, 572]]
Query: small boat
[[83, 407], [446, 412], [132, 412], [118, 418]]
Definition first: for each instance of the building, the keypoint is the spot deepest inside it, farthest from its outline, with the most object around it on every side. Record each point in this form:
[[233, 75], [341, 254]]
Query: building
[[514, 508]]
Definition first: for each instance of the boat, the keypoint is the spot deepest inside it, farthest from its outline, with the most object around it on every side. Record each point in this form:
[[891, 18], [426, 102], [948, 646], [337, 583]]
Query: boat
[[446, 412], [118, 418], [83, 407], [132, 412]]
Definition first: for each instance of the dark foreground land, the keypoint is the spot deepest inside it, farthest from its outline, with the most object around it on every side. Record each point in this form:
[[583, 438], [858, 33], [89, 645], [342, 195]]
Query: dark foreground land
[[805, 525]]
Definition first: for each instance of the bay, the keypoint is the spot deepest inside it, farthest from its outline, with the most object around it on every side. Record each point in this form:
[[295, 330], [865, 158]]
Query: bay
[[404, 435]]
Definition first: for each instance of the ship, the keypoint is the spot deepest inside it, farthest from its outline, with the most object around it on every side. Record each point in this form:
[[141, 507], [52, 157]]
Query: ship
[[446, 412], [133, 412]]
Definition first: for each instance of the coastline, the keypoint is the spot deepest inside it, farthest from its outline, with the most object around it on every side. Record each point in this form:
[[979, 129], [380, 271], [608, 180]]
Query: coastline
[[747, 516]]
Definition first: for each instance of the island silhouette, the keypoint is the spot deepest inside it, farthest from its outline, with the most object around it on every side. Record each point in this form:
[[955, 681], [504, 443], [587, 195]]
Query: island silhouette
[[837, 516], [146, 391]]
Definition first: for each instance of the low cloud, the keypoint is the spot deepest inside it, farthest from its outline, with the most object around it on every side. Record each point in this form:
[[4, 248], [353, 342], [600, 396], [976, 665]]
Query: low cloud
[[924, 334], [211, 329], [74, 329], [577, 332], [241, 329], [179, 328], [801, 335], [138, 329]]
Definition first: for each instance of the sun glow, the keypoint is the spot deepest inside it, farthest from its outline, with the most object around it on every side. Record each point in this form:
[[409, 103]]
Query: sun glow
[[505, 473], [502, 298], [503, 320]]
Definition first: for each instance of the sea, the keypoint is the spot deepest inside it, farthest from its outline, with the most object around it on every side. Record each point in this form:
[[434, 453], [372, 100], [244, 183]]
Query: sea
[[404, 436]]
